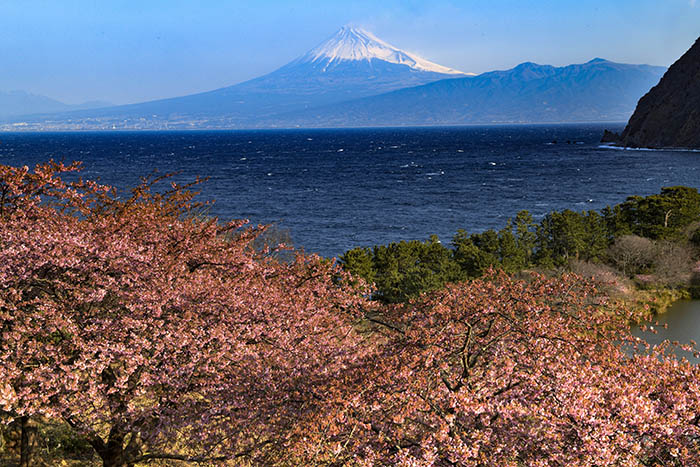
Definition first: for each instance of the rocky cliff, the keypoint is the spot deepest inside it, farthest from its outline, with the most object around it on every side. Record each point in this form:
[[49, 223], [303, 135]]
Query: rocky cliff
[[669, 114]]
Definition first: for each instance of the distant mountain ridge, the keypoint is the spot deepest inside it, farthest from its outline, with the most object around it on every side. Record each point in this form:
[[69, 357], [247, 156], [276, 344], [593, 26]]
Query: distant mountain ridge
[[22, 103], [599, 90]]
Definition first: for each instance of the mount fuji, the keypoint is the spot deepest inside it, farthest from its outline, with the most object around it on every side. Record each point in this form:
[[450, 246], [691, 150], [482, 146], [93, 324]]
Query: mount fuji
[[351, 64], [357, 45], [356, 79]]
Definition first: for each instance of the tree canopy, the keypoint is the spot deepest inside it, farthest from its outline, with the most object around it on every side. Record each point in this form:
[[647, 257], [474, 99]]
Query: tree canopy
[[510, 372], [156, 333]]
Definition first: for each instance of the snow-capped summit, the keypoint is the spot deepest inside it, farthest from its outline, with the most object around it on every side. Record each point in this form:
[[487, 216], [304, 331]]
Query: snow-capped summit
[[351, 43]]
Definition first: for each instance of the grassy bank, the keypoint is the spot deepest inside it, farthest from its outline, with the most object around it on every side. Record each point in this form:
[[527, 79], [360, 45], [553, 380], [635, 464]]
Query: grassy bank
[[658, 301]]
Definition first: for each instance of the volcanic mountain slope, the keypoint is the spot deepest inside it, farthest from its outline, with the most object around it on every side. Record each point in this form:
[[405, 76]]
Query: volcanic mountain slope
[[669, 114], [351, 64], [599, 90]]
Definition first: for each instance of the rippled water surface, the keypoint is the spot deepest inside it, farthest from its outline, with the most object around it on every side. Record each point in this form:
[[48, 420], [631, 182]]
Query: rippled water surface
[[337, 189]]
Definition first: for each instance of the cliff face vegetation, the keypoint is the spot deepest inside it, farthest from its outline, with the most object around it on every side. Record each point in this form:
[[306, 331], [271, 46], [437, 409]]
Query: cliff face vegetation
[[669, 114]]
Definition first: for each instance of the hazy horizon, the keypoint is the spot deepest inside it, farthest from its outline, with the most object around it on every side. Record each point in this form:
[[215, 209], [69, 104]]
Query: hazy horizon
[[79, 51]]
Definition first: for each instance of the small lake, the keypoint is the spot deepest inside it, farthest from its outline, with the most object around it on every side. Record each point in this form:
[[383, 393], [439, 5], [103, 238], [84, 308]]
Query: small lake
[[683, 325]]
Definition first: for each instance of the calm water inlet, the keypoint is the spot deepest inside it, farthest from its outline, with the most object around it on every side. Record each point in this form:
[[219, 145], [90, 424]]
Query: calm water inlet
[[683, 325]]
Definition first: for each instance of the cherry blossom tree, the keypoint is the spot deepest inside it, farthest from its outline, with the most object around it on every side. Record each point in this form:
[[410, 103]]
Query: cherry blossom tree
[[510, 373], [159, 334]]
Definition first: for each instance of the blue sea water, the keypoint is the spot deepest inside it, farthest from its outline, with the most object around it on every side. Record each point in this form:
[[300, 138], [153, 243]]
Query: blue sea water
[[338, 189]]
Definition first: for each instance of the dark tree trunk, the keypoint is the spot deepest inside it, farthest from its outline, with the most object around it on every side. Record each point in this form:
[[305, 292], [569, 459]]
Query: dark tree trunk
[[113, 460], [112, 453], [113, 457], [25, 454]]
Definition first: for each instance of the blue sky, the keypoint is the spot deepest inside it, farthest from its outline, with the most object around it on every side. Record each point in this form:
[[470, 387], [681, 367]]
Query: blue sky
[[134, 50]]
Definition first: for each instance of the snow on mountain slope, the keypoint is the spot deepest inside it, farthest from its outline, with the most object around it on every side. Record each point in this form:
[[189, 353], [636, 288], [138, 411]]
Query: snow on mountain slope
[[357, 44]]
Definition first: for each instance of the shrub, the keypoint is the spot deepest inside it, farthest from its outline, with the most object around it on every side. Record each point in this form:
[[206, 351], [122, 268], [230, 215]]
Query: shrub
[[632, 254], [673, 263], [609, 280]]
